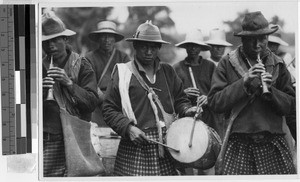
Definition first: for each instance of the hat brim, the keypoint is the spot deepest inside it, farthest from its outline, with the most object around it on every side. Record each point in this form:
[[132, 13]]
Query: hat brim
[[67, 33], [218, 42], [277, 40], [94, 35], [266, 31], [204, 46], [147, 40]]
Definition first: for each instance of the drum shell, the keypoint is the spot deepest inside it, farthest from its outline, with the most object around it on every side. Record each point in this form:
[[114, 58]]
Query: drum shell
[[208, 159]]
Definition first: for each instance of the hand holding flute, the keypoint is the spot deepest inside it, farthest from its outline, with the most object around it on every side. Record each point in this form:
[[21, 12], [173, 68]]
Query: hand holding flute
[[266, 79], [258, 71]]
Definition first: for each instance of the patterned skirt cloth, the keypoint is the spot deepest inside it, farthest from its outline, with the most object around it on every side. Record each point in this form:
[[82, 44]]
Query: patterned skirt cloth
[[54, 159], [133, 160], [246, 156]]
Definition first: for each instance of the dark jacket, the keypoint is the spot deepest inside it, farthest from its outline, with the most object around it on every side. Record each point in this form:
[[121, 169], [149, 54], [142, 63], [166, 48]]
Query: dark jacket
[[80, 100], [259, 115]]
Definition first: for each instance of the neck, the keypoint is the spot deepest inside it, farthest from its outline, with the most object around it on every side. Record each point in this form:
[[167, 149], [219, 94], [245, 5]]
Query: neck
[[215, 59], [149, 68], [192, 59], [106, 51]]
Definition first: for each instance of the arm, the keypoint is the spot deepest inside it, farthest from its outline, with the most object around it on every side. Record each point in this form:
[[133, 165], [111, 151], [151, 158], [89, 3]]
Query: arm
[[225, 93], [84, 93], [112, 108], [283, 95]]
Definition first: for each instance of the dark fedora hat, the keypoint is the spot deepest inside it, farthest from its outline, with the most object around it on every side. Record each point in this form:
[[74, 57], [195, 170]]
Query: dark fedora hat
[[53, 27], [255, 24], [106, 27]]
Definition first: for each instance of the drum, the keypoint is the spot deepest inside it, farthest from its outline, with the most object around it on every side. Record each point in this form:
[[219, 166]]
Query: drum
[[206, 143]]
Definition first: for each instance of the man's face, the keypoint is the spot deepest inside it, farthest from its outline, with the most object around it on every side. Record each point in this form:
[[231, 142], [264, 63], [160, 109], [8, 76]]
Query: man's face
[[55, 47], [217, 51], [107, 41], [253, 45], [273, 47], [193, 50], [146, 52]]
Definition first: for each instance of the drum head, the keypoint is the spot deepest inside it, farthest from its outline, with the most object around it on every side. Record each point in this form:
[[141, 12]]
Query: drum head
[[178, 137]]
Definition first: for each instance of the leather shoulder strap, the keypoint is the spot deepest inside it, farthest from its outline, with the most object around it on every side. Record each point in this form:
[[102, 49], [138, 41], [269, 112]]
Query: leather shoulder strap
[[106, 66]]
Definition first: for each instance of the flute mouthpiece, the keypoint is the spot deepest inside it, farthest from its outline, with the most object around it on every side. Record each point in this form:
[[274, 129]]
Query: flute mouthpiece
[[51, 62]]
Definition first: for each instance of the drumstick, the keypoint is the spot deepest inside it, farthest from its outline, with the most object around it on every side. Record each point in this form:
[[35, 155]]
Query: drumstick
[[199, 108], [176, 150]]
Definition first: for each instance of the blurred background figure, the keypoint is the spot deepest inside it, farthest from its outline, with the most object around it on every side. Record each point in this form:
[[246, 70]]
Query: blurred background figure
[[218, 43], [275, 41], [103, 60]]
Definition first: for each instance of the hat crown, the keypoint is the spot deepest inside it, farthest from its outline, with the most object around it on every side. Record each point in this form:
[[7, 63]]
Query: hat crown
[[194, 35], [51, 24], [278, 33], [106, 25], [148, 31], [254, 21], [217, 34], [255, 24], [276, 36]]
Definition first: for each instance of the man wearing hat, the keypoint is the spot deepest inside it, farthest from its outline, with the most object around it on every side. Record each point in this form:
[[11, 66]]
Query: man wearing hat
[[218, 43], [196, 73], [103, 60], [256, 143], [274, 43], [68, 81], [132, 106]]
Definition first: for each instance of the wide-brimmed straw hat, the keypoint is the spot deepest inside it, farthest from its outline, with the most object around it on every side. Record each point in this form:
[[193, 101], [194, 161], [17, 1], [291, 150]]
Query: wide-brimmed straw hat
[[147, 32], [276, 36], [106, 27], [53, 27], [217, 37], [255, 24], [195, 37]]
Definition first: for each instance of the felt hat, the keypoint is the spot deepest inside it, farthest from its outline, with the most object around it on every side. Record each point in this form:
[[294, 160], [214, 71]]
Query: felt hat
[[255, 24], [53, 27], [276, 36], [217, 37], [195, 37], [106, 27], [147, 32]]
